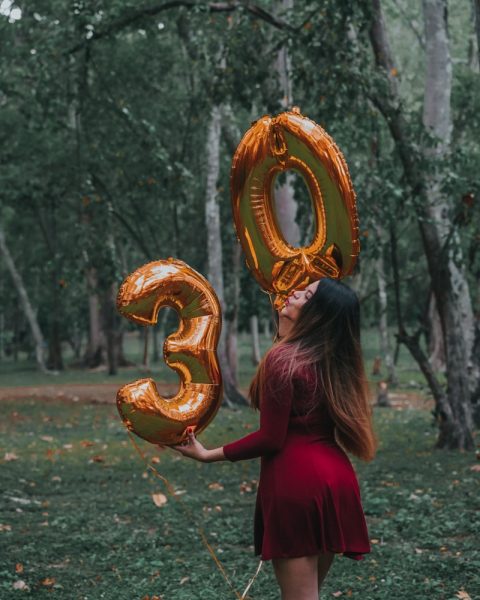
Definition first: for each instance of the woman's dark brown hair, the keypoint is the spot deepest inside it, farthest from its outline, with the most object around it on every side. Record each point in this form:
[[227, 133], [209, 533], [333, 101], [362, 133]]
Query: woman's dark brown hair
[[326, 337]]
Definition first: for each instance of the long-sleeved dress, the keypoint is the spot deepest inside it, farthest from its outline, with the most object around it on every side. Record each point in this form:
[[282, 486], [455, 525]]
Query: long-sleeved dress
[[308, 500]]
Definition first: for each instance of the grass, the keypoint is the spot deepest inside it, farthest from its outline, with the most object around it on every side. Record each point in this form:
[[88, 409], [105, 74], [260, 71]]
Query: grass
[[78, 519]]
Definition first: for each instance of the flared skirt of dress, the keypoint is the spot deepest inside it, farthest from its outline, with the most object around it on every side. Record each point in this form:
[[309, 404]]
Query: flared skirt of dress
[[308, 502]]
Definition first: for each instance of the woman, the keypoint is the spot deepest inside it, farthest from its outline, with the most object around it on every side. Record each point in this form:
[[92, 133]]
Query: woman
[[312, 394]]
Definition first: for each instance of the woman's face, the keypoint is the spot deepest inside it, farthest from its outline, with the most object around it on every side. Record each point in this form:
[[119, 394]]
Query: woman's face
[[296, 300]]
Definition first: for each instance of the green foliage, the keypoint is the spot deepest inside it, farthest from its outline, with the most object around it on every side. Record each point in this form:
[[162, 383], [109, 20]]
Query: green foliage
[[104, 119]]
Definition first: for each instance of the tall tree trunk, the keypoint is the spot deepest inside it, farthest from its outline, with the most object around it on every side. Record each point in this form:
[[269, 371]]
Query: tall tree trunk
[[109, 326], [256, 356], [476, 8], [95, 354], [285, 204], [232, 323], [436, 346], [448, 283], [25, 303], [214, 247], [55, 358], [267, 332], [385, 348], [453, 300]]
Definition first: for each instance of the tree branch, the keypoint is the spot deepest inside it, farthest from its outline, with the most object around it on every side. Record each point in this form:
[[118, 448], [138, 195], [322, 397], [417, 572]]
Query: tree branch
[[411, 23], [132, 17]]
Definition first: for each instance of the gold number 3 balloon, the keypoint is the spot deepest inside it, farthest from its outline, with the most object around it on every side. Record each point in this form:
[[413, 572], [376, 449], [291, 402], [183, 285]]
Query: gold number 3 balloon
[[270, 146], [190, 351]]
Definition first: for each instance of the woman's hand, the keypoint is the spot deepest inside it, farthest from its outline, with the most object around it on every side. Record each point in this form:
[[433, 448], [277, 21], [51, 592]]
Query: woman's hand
[[191, 448]]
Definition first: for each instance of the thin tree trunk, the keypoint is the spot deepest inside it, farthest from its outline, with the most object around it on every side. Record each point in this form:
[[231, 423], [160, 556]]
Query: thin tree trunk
[[109, 322], [360, 281], [2, 336], [454, 303], [146, 340], [232, 323], [449, 285], [256, 357], [214, 247], [436, 347], [286, 206], [267, 332], [476, 8], [385, 348], [25, 303], [96, 340]]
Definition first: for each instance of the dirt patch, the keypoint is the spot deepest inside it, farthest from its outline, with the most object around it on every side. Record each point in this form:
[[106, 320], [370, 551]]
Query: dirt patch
[[105, 393], [402, 400], [93, 393]]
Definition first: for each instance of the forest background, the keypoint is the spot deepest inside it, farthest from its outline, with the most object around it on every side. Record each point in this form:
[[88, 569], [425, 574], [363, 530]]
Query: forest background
[[119, 121]]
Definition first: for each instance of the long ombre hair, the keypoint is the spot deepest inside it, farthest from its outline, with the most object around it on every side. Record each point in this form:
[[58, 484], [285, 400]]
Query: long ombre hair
[[326, 337]]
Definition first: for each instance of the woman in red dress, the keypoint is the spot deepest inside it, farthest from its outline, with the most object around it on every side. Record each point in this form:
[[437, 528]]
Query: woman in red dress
[[312, 394]]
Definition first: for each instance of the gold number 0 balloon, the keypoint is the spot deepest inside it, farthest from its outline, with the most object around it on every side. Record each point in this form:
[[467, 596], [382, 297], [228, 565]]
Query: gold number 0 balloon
[[292, 142], [190, 351]]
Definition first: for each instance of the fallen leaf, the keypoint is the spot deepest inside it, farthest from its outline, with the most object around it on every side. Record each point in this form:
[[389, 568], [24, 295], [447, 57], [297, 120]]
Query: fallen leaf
[[48, 581], [463, 595], [10, 456], [215, 486], [159, 499], [475, 468], [337, 594], [184, 580], [46, 438], [97, 458], [50, 454], [4, 527], [56, 478], [180, 492], [20, 585], [86, 443], [155, 460], [19, 568], [68, 446]]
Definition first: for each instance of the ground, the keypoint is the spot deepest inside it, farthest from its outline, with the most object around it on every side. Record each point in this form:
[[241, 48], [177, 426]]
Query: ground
[[82, 517]]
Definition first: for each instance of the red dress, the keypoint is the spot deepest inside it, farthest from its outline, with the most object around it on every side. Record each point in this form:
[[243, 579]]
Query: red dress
[[308, 499]]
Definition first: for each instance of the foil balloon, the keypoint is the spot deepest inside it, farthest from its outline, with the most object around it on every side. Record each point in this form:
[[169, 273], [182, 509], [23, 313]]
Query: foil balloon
[[290, 141], [190, 351]]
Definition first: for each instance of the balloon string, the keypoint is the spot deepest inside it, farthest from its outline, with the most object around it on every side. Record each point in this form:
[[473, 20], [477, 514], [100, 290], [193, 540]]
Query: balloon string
[[188, 512]]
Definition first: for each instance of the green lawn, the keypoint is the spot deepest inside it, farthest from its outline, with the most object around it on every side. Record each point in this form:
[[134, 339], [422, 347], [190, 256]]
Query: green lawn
[[78, 520]]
